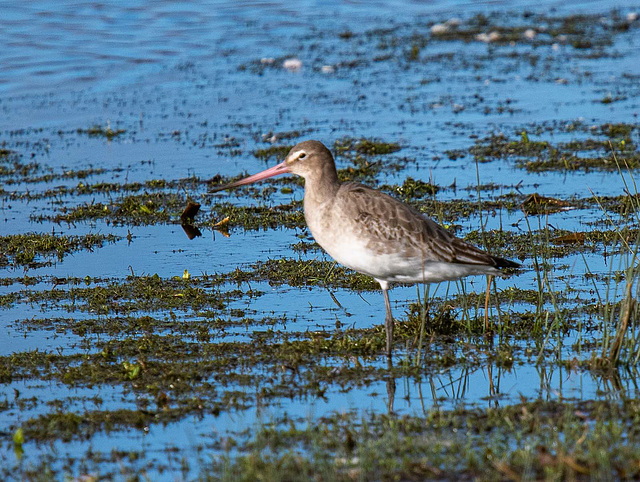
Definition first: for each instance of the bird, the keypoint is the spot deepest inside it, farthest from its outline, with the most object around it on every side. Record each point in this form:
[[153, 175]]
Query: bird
[[374, 233]]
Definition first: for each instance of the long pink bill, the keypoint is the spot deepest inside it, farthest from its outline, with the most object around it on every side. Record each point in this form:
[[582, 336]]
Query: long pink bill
[[267, 173]]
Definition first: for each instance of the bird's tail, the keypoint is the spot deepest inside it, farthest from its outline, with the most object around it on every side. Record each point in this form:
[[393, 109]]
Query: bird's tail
[[502, 263]]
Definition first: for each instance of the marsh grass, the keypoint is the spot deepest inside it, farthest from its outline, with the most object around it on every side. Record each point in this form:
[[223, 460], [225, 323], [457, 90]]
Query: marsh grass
[[154, 331], [195, 359], [618, 306], [526, 441]]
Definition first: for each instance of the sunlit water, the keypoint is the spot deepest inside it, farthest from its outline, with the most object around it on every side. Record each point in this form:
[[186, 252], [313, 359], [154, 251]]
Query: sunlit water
[[170, 74]]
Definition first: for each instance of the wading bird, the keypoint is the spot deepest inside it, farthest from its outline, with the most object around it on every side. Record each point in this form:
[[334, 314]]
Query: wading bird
[[374, 233]]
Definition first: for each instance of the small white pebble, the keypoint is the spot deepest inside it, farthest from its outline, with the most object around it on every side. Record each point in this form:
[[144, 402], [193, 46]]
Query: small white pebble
[[457, 108], [439, 29], [632, 17], [555, 46], [267, 60], [453, 22], [292, 65], [486, 38], [562, 38], [530, 34], [327, 69]]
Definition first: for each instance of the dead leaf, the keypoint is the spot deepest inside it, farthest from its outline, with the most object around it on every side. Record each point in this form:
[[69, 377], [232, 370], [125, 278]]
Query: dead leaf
[[190, 211], [571, 238], [537, 204]]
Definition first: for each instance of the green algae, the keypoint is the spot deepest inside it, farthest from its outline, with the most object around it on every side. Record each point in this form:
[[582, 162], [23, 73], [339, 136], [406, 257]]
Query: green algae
[[364, 146], [34, 249], [134, 209], [99, 131], [179, 377], [104, 188], [182, 369], [499, 146], [133, 295], [413, 189], [279, 152], [582, 31], [185, 346], [529, 440], [303, 273], [614, 152], [15, 170], [25, 174], [191, 350], [573, 163], [260, 217]]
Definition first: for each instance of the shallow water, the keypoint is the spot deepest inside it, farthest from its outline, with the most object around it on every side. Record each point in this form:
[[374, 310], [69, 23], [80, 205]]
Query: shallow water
[[193, 89]]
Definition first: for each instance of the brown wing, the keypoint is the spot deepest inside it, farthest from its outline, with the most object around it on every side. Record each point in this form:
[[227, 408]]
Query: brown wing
[[391, 226]]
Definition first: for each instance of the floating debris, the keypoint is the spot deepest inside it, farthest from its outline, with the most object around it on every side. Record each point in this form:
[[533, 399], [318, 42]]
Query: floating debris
[[292, 65], [442, 28], [488, 38], [439, 28], [186, 219], [190, 211], [222, 223], [223, 226], [571, 238]]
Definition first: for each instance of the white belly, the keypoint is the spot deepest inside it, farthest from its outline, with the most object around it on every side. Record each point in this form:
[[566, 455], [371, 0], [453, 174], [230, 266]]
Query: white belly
[[386, 258], [395, 268]]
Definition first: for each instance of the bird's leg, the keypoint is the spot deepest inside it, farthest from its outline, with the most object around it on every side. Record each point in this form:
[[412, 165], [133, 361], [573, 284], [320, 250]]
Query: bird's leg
[[391, 386], [486, 305], [388, 321]]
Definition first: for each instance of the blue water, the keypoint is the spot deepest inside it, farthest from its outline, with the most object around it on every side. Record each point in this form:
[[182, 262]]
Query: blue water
[[185, 78]]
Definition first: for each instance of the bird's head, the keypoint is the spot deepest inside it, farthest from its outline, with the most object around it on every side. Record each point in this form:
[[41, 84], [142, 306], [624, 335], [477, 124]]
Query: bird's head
[[304, 159]]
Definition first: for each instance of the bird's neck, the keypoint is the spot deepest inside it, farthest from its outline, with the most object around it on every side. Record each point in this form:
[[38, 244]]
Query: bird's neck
[[321, 186]]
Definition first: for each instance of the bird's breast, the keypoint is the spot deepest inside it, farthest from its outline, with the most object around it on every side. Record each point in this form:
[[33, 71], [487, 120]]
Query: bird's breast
[[342, 239]]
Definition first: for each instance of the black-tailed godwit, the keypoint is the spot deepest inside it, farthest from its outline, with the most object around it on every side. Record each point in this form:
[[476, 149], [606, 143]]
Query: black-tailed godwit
[[373, 233]]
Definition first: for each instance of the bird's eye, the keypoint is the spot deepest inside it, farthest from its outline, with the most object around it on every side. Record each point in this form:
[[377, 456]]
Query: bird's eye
[[302, 155]]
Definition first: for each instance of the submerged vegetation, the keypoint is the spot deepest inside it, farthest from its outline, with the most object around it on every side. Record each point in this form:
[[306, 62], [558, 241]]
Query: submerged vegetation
[[193, 345], [36, 249], [525, 441], [615, 149], [98, 131], [258, 357]]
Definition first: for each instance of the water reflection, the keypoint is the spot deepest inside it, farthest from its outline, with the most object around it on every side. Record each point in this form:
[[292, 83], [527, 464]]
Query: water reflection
[[191, 231], [496, 386]]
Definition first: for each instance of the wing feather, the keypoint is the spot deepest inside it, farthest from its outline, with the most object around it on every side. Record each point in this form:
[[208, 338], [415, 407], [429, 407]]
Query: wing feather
[[393, 227]]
